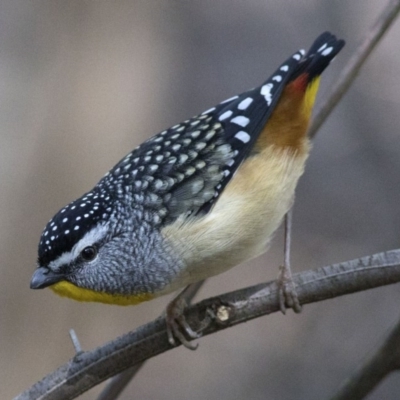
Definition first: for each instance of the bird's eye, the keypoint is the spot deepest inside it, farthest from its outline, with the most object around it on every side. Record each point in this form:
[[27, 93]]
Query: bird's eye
[[89, 253]]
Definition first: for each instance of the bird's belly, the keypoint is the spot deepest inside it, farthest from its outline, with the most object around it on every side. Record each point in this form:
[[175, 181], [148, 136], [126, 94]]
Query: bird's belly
[[241, 224]]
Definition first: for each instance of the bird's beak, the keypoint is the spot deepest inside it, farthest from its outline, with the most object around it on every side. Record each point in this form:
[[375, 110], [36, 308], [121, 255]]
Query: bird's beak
[[43, 277]]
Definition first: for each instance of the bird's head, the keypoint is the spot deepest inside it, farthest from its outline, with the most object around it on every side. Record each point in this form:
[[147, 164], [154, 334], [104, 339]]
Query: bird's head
[[87, 253]]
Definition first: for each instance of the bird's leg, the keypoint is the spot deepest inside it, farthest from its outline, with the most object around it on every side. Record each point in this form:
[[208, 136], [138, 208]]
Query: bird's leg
[[177, 326], [287, 291]]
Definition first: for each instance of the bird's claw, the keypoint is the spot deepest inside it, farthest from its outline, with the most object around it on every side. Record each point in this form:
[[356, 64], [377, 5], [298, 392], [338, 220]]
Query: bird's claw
[[287, 292], [177, 326]]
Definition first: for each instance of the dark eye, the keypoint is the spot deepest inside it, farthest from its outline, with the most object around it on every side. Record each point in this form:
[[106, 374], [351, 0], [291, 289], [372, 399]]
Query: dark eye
[[89, 253]]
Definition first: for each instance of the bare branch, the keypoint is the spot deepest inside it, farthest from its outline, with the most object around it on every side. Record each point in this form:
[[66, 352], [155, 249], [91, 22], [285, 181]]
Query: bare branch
[[352, 68], [75, 341], [381, 364], [119, 382], [88, 369]]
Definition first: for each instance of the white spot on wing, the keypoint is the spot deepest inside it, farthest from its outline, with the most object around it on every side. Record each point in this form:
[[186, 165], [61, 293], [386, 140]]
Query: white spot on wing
[[277, 78], [243, 136], [153, 167], [245, 103], [195, 134], [240, 120], [297, 56], [225, 115], [322, 47], [284, 68], [266, 92], [208, 111], [230, 99], [183, 158], [327, 51]]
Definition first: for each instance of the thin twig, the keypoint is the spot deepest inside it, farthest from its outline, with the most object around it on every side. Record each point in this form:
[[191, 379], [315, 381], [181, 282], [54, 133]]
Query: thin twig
[[350, 71], [381, 364], [71, 379], [75, 341], [119, 382]]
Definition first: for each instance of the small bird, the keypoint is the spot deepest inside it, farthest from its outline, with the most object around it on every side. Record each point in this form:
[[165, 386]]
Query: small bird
[[192, 201]]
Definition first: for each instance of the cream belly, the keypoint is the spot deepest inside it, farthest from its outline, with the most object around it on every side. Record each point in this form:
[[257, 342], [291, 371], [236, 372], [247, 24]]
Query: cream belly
[[241, 224]]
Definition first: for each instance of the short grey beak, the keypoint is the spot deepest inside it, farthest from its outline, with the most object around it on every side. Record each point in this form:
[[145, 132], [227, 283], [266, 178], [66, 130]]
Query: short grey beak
[[43, 277]]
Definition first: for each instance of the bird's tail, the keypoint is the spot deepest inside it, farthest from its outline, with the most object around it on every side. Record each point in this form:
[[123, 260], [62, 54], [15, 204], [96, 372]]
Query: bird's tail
[[305, 78]]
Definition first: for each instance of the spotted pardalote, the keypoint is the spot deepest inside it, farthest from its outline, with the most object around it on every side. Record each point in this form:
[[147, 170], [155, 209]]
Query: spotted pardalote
[[192, 201]]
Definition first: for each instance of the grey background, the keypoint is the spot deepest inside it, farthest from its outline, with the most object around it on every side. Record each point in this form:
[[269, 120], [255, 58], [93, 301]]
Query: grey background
[[83, 82]]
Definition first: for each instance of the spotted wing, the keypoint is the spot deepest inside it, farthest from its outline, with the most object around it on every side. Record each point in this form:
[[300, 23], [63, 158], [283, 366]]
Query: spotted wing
[[184, 169]]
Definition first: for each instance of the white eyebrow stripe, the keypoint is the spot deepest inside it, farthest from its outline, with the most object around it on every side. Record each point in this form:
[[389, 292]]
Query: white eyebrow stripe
[[93, 236]]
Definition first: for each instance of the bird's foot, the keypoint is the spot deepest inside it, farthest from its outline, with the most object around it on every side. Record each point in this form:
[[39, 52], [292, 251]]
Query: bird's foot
[[178, 329], [287, 291]]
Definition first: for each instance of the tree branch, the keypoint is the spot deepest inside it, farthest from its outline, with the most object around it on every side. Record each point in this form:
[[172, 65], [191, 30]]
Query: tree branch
[[88, 369], [381, 364]]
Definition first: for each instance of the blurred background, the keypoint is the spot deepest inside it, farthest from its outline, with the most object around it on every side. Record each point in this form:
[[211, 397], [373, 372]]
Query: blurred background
[[83, 82]]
